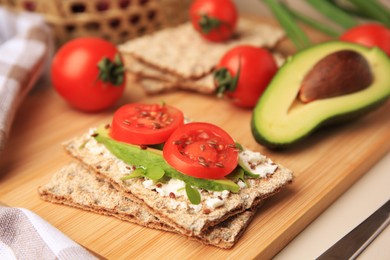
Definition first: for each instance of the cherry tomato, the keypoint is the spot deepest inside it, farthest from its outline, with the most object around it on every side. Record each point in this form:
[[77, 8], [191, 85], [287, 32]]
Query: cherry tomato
[[88, 73], [215, 20], [145, 123], [243, 74], [369, 35], [201, 150]]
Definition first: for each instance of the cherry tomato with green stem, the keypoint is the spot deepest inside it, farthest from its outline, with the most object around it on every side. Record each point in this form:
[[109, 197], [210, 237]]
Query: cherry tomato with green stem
[[215, 20], [88, 73], [243, 74]]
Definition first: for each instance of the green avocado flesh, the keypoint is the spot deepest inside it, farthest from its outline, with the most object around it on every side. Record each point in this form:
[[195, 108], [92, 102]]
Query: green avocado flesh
[[148, 158], [280, 120]]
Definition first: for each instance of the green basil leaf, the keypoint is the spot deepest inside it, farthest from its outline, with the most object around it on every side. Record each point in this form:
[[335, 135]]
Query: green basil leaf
[[193, 194], [139, 172], [239, 146], [154, 172]]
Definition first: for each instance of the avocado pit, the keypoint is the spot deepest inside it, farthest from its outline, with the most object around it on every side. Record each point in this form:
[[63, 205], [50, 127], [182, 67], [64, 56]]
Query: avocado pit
[[339, 73]]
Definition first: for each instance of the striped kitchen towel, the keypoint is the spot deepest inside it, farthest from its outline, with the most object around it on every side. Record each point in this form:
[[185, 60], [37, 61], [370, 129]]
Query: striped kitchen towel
[[25, 46], [24, 235]]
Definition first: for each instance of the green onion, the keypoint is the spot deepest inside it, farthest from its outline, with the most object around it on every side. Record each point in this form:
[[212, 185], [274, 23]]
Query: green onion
[[334, 13], [374, 10], [349, 8], [297, 36], [311, 22]]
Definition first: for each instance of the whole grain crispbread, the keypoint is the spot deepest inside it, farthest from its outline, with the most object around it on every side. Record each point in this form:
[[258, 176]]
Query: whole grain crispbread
[[154, 80], [203, 85], [176, 212], [76, 186], [182, 52]]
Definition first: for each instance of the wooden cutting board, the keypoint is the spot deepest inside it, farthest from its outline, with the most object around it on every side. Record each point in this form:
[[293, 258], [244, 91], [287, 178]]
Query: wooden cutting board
[[325, 165]]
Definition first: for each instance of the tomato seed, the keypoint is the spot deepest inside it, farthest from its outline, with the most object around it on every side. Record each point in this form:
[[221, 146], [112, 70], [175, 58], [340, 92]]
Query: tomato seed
[[213, 145], [177, 142], [220, 165], [231, 145], [212, 142], [204, 164], [202, 147], [203, 135], [157, 125], [201, 159]]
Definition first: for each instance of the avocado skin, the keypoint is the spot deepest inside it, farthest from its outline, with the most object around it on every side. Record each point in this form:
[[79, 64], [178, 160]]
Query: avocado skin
[[339, 119], [149, 157], [333, 120]]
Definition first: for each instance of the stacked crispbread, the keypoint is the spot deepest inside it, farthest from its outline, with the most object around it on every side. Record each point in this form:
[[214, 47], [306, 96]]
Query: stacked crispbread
[[178, 58], [94, 184]]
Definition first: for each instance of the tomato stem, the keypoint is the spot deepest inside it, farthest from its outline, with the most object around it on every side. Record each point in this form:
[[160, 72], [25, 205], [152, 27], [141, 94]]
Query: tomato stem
[[207, 23], [111, 71], [225, 81]]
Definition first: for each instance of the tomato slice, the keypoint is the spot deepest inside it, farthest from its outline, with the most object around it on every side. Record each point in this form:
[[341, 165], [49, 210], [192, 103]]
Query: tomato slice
[[201, 150], [144, 124]]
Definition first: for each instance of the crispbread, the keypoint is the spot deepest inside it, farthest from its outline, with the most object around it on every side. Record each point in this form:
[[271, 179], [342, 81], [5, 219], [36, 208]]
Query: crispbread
[[203, 85], [176, 212], [156, 81], [182, 52], [74, 185]]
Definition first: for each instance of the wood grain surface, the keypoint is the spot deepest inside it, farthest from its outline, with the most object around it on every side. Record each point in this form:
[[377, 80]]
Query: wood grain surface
[[325, 165]]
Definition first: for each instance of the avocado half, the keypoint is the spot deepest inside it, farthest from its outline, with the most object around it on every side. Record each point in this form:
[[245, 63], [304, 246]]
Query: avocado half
[[279, 119]]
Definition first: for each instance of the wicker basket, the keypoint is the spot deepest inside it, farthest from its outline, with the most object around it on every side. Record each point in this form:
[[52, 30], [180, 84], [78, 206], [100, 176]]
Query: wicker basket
[[114, 20]]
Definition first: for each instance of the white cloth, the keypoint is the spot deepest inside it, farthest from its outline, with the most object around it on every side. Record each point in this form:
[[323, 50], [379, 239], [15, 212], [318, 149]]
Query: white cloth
[[25, 49], [25, 45], [25, 235]]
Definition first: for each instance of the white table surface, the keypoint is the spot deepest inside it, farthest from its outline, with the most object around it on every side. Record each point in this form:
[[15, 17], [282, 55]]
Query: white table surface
[[369, 193]]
